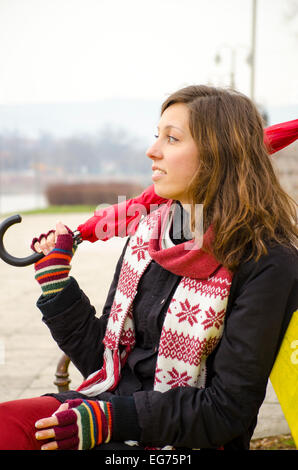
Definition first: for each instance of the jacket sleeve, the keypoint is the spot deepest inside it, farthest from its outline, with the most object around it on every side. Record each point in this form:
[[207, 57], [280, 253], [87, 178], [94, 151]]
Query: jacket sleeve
[[74, 325], [259, 310]]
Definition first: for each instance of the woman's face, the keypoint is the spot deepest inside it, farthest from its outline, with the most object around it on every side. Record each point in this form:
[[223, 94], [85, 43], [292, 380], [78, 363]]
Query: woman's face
[[174, 154]]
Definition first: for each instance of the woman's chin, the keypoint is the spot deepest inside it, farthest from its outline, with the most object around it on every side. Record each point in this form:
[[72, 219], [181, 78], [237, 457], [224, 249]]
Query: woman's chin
[[161, 192]]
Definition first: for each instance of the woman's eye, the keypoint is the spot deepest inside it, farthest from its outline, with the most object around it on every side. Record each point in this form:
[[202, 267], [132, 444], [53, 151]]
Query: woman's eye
[[172, 139]]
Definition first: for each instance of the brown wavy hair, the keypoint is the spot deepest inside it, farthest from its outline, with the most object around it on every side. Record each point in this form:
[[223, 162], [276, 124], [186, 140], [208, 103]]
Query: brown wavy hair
[[236, 183]]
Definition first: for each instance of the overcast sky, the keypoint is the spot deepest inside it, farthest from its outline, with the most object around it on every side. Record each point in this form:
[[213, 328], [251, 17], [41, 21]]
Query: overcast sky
[[87, 50]]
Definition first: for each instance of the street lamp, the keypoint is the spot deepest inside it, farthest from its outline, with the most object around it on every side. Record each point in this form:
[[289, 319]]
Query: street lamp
[[250, 59]]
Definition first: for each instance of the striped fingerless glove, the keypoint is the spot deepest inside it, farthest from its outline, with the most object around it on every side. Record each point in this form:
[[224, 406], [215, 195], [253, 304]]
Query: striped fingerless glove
[[84, 425], [52, 271]]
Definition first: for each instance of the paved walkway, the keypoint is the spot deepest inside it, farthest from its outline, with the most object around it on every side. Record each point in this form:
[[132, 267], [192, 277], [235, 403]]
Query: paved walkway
[[28, 354]]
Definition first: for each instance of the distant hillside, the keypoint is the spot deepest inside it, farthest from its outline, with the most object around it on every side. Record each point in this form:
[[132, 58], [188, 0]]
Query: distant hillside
[[137, 117]]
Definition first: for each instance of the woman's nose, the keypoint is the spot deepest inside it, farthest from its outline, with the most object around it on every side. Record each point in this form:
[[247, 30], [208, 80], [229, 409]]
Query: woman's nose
[[154, 151]]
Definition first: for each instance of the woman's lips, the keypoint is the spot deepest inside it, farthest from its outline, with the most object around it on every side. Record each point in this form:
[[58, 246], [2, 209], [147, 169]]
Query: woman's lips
[[158, 174]]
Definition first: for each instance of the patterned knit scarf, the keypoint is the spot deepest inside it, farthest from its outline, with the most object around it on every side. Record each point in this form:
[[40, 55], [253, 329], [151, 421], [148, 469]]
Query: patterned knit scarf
[[193, 323]]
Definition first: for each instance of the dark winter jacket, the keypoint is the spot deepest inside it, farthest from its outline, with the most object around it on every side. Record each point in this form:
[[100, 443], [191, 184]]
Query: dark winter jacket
[[262, 298]]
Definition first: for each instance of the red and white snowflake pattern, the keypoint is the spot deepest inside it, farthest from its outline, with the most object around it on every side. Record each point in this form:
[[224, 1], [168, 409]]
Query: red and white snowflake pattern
[[128, 337], [178, 380], [128, 280], [188, 313], [217, 286], [110, 339], [140, 248], [181, 347], [115, 311], [213, 318]]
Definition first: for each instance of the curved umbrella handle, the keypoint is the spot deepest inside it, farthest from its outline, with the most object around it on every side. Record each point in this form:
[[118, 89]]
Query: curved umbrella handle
[[31, 259], [15, 219]]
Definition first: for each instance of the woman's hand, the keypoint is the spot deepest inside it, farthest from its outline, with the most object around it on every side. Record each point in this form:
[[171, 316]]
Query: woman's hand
[[76, 425], [52, 271], [45, 431], [46, 242]]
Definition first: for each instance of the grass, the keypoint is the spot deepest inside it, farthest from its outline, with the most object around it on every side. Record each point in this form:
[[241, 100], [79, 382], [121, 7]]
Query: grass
[[61, 209]]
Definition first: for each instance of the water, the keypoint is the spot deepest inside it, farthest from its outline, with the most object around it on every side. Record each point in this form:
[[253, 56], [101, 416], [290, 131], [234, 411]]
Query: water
[[21, 202]]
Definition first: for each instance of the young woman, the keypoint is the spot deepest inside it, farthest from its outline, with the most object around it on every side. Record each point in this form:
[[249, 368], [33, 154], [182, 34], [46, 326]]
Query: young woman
[[197, 309]]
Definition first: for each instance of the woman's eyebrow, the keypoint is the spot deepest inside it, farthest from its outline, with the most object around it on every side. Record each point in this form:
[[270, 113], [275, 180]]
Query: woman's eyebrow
[[169, 126]]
